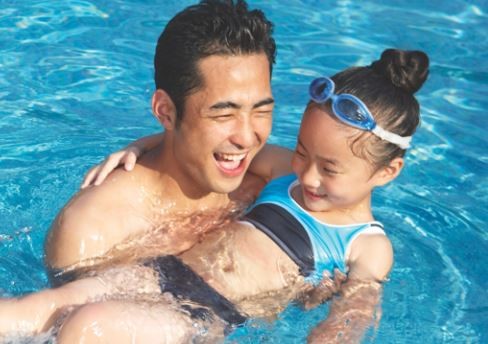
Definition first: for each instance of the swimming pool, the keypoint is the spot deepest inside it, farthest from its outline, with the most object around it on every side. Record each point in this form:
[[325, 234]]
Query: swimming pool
[[75, 82]]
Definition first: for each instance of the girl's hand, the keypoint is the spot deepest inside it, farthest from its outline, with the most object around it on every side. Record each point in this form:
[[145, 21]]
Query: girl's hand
[[126, 157]]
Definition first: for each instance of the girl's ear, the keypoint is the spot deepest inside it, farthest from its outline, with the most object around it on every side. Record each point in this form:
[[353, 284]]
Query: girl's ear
[[390, 172], [164, 109]]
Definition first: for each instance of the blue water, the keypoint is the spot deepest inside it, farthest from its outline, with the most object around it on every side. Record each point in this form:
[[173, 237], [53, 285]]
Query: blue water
[[75, 83]]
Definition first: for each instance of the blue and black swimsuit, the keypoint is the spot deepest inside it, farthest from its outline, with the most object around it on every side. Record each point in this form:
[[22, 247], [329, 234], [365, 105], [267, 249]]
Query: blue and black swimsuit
[[313, 245]]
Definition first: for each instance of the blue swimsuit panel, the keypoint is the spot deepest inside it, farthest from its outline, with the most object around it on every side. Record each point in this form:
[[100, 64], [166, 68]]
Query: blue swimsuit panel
[[313, 245]]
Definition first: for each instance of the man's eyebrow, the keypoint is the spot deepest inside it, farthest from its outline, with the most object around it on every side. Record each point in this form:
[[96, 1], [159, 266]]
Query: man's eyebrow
[[263, 102], [225, 105], [232, 105]]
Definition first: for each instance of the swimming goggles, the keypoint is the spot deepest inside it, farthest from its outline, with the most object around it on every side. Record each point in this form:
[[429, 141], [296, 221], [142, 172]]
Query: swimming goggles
[[352, 111]]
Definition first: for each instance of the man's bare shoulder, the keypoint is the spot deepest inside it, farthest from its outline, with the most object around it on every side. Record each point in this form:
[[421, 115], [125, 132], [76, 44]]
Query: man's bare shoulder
[[121, 191], [97, 218]]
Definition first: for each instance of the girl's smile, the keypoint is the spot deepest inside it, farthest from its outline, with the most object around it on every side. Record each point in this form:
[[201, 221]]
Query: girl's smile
[[331, 176]]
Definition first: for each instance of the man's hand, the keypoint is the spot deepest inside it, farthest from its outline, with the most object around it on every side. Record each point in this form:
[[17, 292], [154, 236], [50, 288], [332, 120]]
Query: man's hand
[[325, 290]]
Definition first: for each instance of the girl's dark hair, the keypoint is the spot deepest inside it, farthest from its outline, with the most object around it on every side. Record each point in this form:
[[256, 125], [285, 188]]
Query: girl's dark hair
[[212, 27], [387, 88]]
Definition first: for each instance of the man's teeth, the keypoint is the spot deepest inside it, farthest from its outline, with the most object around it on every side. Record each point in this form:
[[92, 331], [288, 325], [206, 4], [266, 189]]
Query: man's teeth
[[229, 161], [231, 157]]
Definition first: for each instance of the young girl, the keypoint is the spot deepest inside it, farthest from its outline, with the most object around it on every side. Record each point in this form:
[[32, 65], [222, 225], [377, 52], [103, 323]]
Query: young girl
[[304, 225]]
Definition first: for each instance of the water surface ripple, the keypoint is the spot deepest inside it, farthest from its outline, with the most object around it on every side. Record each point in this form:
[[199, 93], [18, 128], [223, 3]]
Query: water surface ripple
[[75, 84]]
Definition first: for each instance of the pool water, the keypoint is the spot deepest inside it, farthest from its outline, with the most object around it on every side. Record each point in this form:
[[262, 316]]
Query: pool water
[[75, 84]]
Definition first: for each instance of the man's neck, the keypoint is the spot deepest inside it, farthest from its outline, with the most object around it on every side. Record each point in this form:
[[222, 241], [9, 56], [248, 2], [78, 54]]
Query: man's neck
[[174, 184]]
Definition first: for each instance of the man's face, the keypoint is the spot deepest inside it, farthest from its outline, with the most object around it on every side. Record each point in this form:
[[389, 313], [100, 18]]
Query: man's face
[[226, 122]]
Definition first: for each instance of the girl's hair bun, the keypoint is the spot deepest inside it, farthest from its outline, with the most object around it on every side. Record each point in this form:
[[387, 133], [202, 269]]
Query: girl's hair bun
[[405, 69]]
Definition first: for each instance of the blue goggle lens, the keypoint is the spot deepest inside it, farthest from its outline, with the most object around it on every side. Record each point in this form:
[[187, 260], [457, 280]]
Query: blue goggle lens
[[350, 110], [321, 89], [346, 107]]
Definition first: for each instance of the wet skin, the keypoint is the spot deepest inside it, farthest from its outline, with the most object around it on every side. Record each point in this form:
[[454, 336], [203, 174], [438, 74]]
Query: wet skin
[[201, 160], [248, 268]]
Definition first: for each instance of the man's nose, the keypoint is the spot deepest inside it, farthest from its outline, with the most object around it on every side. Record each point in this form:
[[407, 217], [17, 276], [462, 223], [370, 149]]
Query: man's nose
[[245, 134]]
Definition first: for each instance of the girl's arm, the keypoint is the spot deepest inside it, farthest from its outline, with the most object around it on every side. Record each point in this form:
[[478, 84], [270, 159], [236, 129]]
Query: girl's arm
[[271, 162], [127, 156], [352, 312], [357, 306]]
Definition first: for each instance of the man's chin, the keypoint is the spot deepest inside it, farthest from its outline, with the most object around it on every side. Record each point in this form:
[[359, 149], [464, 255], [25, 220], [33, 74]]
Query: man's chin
[[227, 185]]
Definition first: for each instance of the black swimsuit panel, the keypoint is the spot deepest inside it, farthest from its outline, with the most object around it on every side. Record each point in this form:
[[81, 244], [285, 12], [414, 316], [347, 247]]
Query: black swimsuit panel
[[286, 231], [183, 283]]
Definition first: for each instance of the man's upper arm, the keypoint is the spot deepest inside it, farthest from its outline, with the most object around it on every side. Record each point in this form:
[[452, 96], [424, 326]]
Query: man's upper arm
[[84, 228], [74, 234]]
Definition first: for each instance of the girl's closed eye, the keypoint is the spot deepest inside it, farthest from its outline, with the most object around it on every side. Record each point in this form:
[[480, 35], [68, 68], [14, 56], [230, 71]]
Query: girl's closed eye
[[330, 171]]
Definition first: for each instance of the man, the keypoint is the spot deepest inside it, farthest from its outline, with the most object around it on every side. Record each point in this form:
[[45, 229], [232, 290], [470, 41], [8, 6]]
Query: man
[[216, 109], [213, 97]]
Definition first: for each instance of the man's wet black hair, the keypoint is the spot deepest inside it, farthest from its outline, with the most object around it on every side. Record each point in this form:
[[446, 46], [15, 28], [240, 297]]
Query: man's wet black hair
[[212, 27]]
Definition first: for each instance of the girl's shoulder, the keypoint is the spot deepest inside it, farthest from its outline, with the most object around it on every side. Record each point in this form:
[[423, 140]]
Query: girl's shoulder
[[371, 255]]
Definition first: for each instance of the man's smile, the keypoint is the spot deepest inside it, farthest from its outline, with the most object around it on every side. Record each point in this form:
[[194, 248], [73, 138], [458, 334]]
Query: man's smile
[[230, 164]]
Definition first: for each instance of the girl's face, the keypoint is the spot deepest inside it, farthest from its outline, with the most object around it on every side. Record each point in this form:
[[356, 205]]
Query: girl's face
[[331, 176]]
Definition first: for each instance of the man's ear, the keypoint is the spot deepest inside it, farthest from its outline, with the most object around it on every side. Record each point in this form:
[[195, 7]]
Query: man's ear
[[164, 109], [388, 173]]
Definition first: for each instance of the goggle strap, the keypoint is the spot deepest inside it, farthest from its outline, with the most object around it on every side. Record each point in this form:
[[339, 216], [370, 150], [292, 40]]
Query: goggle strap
[[401, 141]]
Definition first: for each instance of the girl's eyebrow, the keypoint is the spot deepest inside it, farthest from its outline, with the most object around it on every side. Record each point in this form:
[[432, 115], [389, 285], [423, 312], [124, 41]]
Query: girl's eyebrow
[[323, 159], [330, 161]]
